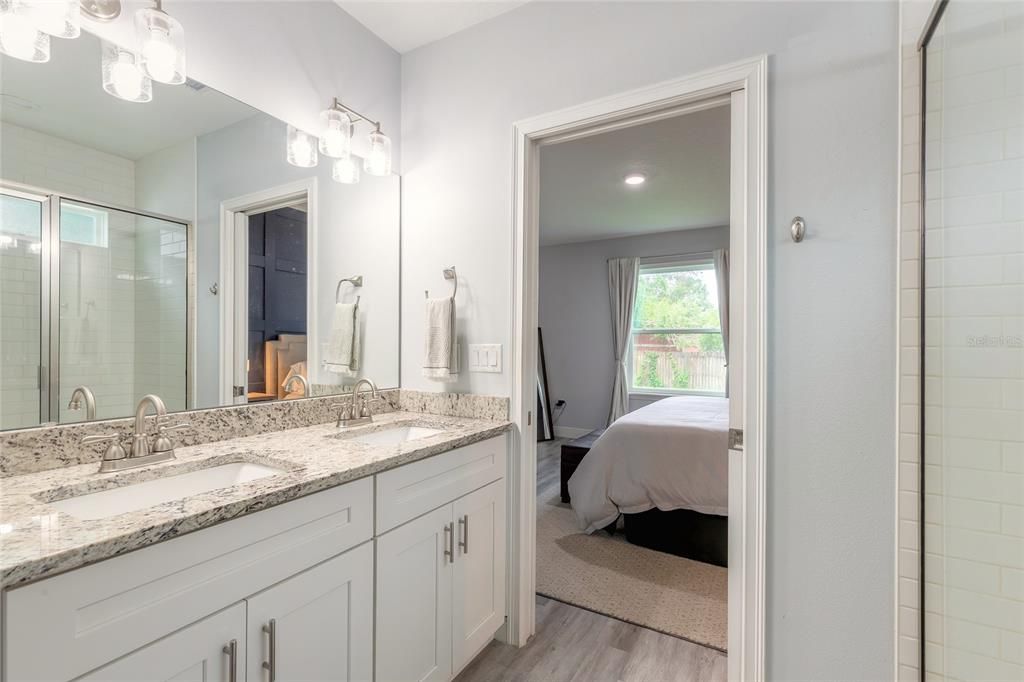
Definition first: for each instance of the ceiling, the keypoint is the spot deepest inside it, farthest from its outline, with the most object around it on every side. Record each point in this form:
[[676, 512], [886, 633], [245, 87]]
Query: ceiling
[[686, 162], [65, 98], [410, 24]]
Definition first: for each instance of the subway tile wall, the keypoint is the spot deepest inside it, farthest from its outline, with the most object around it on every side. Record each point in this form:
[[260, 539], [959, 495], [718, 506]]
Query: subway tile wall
[[974, 352]]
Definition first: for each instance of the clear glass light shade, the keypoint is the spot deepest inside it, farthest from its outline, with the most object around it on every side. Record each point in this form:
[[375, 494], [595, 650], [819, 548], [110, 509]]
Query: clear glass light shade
[[123, 76], [59, 18], [335, 133], [346, 170], [301, 148], [161, 43], [378, 161], [20, 36]]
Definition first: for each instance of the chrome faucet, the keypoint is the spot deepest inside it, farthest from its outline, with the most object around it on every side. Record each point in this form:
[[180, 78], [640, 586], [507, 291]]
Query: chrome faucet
[[143, 450], [302, 380], [77, 396], [347, 414]]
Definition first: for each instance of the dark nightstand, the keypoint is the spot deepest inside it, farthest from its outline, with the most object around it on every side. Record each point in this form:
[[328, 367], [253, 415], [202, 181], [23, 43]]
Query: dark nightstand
[[573, 453]]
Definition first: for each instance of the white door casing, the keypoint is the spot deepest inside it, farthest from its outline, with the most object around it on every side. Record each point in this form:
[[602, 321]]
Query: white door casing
[[745, 84]]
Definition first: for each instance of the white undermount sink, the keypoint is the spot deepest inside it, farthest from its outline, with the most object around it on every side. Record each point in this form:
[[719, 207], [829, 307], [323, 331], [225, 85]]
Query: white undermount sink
[[128, 498], [396, 435]]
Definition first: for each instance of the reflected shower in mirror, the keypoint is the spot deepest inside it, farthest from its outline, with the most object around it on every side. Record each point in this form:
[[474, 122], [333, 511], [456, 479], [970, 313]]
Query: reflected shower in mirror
[[169, 247]]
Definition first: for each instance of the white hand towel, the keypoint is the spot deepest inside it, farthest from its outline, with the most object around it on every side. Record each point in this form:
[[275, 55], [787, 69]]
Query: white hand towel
[[342, 353], [440, 358]]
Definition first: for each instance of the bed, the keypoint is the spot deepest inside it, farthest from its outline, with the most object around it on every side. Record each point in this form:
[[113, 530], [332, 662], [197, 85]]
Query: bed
[[666, 468]]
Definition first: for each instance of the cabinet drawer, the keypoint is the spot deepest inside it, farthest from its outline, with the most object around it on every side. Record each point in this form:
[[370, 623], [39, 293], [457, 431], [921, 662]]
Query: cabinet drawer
[[415, 489], [63, 626]]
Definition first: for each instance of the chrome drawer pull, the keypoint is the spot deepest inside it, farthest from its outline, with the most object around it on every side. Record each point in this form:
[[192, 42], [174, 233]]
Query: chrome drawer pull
[[464, 533], [449, 538], [271, 664], [231, 649]]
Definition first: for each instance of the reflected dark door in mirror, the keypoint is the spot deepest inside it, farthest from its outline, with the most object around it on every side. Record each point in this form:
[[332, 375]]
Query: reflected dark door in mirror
[[277, 284]]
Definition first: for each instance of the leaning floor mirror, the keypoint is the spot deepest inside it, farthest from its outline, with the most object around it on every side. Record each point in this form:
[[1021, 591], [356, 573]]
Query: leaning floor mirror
[[169, 247]]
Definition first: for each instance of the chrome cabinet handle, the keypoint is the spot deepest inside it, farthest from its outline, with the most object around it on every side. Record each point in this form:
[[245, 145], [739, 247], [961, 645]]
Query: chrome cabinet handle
[[231, 649], [449, 548], [270, 665], [464, 533]]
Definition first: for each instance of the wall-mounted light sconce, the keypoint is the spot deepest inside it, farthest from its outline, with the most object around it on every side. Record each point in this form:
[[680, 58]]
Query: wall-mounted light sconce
[[161, 41], [27, 25], [123, 76], [337, 124], [301, 148]]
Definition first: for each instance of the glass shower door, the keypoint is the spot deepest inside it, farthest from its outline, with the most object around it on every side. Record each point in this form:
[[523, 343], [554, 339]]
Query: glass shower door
[[123, 308], [22, 396], [973, 338]]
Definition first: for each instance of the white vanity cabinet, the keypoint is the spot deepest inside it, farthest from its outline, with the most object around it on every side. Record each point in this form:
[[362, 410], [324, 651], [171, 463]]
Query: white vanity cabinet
[[440, 575], [317, 625], [308, 589]]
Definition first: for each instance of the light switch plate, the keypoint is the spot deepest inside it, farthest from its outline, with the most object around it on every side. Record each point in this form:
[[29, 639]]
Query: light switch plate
[[485, 357]]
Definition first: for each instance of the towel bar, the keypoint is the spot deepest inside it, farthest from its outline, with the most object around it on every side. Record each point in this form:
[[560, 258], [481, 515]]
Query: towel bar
[[449, 273], [356, 281]]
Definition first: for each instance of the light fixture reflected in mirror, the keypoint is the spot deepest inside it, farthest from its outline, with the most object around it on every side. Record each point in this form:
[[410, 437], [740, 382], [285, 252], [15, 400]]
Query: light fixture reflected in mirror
[[19, 36], [59, 18], [378, 161], [346, 170], [302, 148], [335, 133], [161, 41], [122, 75]]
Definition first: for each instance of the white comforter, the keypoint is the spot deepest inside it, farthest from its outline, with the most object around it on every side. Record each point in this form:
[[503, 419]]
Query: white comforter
[[672, 454]]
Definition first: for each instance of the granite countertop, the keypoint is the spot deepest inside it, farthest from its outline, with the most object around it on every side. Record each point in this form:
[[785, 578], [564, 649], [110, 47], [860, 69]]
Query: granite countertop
[[37, 541]]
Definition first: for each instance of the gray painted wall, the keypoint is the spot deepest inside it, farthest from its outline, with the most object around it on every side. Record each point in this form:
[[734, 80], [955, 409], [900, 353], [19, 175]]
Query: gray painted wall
[[832, 153], [575, 315]]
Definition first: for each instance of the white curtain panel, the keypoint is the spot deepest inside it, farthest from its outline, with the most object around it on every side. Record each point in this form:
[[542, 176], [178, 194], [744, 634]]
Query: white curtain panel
[[622, 274], [721, 257]]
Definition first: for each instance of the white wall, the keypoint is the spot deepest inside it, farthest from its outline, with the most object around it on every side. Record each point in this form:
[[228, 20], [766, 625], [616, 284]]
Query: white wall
[[832, 127], [165, 181], [575, 315]]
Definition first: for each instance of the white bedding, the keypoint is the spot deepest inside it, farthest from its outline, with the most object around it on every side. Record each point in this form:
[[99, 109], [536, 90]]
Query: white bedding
[[671, 454]]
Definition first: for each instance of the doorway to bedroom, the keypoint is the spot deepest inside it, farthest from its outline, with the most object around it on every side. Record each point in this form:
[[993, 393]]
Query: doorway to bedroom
[[632, 453], [740, 89]]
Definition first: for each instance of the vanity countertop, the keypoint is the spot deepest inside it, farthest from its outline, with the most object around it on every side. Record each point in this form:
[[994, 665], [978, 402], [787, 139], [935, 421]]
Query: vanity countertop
[[37, 541]]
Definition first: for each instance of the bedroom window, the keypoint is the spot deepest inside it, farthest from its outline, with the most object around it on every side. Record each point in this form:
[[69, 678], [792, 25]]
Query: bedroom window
[[676, 343]]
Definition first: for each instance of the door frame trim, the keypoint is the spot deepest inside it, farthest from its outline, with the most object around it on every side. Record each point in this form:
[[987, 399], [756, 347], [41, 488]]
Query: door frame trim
[[747, 485], [234, 285]]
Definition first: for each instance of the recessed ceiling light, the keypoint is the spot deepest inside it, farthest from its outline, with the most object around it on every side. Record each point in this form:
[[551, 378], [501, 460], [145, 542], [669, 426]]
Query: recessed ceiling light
[[635, 179]]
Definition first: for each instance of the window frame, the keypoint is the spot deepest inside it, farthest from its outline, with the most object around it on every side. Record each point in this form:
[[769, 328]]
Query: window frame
[[697, 261]]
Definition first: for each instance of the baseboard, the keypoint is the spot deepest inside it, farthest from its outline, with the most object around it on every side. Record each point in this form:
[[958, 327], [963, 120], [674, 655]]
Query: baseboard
[[570, 432]]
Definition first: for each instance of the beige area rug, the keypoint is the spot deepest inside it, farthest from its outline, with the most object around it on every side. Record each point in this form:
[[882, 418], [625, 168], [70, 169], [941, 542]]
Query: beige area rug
[[663, 592]]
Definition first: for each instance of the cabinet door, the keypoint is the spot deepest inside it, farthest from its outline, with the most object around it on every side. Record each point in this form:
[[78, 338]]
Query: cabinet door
[[322, 622], [414, 600], [193, 654], [479, 582]]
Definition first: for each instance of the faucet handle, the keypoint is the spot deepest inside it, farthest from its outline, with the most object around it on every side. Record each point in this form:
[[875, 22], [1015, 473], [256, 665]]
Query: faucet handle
[[161, 443], [113, 452], [100, 438]]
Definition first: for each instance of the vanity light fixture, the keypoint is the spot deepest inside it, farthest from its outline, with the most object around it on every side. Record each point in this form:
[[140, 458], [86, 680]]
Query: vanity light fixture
[[301, 148], [161, 41], [20, 36], [123, 76], [336, 129], [635, 179], [345, 170]]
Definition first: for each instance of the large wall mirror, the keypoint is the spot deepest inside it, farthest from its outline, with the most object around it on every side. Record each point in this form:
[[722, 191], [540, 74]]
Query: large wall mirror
[[168, 247]]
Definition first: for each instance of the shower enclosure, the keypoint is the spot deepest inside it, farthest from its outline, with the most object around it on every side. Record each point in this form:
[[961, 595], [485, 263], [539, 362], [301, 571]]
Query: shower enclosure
[[90, 295], [972, 330]]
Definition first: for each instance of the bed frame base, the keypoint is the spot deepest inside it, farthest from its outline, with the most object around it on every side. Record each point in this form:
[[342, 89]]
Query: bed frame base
[[683, 532]]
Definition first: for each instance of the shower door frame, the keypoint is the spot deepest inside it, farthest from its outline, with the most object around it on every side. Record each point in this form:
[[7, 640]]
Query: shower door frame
[[49, 331]]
